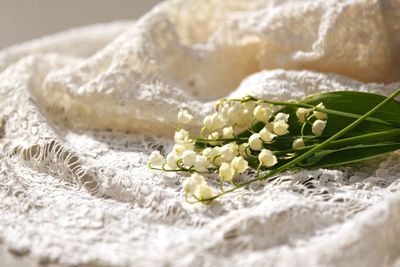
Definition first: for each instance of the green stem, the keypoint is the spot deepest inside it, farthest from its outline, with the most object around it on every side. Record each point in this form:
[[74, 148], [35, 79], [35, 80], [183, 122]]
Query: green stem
[[347, 141], [315, 149]]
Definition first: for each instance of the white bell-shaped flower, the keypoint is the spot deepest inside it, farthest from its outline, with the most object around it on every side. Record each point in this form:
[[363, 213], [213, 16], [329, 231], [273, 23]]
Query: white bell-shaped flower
[[281, 127], [267, 158], [239, 164], [318, 127], [266, 135], [184, 116], [255, 142], [226, 171]]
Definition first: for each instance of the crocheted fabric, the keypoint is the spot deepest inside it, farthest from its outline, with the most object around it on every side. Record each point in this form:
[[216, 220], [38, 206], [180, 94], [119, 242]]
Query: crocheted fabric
[[82, 110]]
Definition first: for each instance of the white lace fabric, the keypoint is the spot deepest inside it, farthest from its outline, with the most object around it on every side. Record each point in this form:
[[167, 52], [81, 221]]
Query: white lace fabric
[[81, 111]]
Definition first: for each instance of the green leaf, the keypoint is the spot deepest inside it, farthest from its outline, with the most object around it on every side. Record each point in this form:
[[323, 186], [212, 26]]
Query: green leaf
[[347, 155]]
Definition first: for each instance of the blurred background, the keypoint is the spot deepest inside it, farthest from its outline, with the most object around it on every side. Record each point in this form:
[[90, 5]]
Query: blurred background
[[23, 20]]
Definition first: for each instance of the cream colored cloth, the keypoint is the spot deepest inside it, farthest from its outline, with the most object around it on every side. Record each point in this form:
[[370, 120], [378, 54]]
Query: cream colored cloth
[[82, 110]]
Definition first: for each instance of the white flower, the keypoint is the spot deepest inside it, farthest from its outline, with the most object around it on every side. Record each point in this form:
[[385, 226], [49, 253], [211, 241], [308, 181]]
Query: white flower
[[156, 159], [266, 135], [205, 191], [201, 163], [244, 119], [227, 152], [227, 132], [318, 127], [242, 149], [181, 136], [281, 127], [281, 117], [320, 115], [255, 142], [188, 158], [269, 126], [213, 122], [267, 158], [189, 186], [239, 164], [250, 105], [193, 184], [180, 148], [302, 114], [210, 152], [171, 159], [226, 171], [298, 143], [197, 178], [234, 112], [262, 113], [184, 116]]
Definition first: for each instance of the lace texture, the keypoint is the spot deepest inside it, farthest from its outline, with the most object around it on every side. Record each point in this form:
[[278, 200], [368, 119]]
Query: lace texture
[[82, 110]]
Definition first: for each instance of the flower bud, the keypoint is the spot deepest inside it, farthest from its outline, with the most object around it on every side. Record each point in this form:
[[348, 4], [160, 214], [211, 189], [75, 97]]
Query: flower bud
[[281, 127], [226, 172], [267, 158], [156, 159], [298, 143], [239, 164], [255, 142], [318, 127]]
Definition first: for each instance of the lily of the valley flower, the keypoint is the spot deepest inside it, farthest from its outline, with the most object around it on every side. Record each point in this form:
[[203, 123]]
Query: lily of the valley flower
[[267, 158], [184, 116], [156, 159], [188, 158], [227, 132], [318, 127], [320, 115], [262, 113], [302, 114], [255, 142], [213, 122], [281, 127], [298, 143], [266, 135], [239, 164], [226, 171], [201, 163]]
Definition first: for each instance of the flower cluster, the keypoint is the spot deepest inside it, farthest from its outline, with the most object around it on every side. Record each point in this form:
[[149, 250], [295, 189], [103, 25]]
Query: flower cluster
[[240, 134]]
